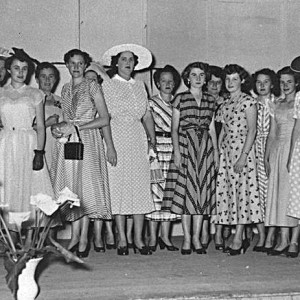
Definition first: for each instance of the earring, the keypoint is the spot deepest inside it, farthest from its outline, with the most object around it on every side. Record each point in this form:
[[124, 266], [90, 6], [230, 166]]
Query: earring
[[188, 81]]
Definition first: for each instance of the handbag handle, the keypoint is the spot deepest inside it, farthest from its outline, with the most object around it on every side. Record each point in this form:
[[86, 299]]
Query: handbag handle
[[77, 131]]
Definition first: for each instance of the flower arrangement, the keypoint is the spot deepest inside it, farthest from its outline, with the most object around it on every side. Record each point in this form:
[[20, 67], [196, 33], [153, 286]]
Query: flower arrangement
[[17, 255]]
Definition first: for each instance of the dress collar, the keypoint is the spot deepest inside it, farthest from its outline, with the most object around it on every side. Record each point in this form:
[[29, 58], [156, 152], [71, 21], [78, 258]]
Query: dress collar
[[118, 77]]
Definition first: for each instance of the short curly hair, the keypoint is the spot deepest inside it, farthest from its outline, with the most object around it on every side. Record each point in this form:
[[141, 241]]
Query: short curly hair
[[273, 79], [71, 53], [187, 70], [244, 75], [288, 71]]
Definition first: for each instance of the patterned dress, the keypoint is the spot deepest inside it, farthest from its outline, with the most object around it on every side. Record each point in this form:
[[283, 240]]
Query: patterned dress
[[18, 182], [127, 103], [294, 196], [263, 127], [237, 193], [88, 177], [191, 189], [278, 185], [162, 115]]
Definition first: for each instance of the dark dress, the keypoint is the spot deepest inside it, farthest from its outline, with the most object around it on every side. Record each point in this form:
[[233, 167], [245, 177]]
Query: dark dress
[[191, 190]]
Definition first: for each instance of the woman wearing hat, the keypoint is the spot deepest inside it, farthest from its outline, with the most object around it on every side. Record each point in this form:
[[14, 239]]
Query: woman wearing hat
[[167, 81], [129, 110]]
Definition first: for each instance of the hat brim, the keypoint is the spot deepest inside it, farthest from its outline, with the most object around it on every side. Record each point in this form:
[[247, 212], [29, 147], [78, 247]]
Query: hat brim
[[295, 64], [143, 54]]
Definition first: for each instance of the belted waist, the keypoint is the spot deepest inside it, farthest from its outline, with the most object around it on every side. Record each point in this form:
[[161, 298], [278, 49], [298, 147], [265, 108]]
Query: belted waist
[[163, 134], [194, 127], [77, 121]]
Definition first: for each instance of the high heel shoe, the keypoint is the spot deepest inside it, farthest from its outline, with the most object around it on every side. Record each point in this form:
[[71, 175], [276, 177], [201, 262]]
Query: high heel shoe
[[152, 248], [186, 251], [143, 251], [258, 249], [293, 254], [242, 250], [220, 247], [85, 253], [199, 250], [275, 252], [111, 246], [74, 248], [163, 245], [123, 250], [99, 249]]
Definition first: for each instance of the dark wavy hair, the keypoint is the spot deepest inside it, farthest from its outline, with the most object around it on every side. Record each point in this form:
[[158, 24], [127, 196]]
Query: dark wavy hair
[[288, 71], [71, 53], [2, 83], [187, 70], [273, 78], [48, 65], [217, 72], [114, 63], [244, 75]]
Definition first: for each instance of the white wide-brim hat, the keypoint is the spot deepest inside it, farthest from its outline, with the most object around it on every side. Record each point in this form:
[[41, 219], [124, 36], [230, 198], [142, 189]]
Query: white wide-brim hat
[[96, 67], [143, 54]]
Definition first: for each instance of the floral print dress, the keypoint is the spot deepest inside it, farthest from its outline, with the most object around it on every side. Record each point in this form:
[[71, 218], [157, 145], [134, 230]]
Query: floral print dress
[[237, 193]]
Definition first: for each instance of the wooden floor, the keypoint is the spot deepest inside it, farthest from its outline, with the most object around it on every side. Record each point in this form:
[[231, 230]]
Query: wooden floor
[[168, 275]]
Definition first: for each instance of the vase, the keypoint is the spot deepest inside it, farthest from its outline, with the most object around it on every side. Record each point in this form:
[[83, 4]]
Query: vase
[[28, 288]]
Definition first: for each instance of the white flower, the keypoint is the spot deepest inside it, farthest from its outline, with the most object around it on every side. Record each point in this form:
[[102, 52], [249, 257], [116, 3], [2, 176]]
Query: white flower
[[18, 218], [63, 140], [67, 195], [44, 203]]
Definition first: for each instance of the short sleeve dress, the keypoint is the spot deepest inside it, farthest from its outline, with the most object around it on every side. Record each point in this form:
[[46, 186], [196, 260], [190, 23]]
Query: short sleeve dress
[[129, 181], [17, 143], [237, 193], [191, 190], [87, 178]]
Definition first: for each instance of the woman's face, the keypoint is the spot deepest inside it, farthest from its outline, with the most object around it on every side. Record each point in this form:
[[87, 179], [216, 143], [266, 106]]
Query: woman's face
[[287, 84], [197, 78], [166, 83], [18, 71], [46, 80], [91, 75], [2, 70], [214, 85], [233, 83], [76, 66], [125, 64], [263, 85]]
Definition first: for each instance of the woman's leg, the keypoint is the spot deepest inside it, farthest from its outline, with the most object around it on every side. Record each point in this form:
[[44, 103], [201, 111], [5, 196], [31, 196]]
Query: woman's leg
[[219, 241], [238, 237], [284, 239], [75, 233], [83, 242], [205, 231], [294, 248], [262, 234], [129, 227], [186, 227], [109, 233], [165, 232], [270, 239], [138, 230], [121, 223], [153, 225], [98, 224], [197, 224]]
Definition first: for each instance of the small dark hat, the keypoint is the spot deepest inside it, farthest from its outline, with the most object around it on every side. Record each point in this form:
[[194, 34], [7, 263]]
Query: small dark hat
[[168, 69], [295, 65], [22, 55]]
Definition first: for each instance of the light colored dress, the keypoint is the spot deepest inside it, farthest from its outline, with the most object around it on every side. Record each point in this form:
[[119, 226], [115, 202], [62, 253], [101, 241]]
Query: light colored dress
[[86, 178], [237, 193], [18, 181], [278, 185], [263, 128], [162, 115], [130, 180], [293, 209], [50, 140]]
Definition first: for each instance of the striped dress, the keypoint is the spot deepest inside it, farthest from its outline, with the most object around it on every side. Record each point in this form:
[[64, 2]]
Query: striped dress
[[263, 127], [191, 190], [162, 115], [87, 178]]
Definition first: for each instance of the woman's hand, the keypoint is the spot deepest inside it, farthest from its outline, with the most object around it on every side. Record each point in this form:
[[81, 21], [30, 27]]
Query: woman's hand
[[267, 167], [52, 120], [177, 159], [111, 156], [55, 130], [38, 160], [240, 164]]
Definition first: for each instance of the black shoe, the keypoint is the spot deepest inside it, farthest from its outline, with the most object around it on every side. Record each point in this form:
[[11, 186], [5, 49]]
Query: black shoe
[[163, 245], [144, 250], [220, 247], [74, 248], [152, 248], [111, 246], [200, 250], [186, 251], [85, 253], [278, 252], [242, 250], [123, 251], [99, 249], [258, 249]]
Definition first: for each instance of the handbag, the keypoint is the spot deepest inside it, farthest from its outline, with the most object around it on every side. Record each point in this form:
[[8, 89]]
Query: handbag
[[74, 150]]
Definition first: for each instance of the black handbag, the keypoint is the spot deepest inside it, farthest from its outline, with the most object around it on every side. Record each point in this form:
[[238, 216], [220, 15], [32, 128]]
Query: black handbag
[[74, 150]]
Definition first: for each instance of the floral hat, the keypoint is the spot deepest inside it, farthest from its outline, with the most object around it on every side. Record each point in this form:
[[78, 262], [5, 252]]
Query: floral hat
[[295, 64], [143, 54]]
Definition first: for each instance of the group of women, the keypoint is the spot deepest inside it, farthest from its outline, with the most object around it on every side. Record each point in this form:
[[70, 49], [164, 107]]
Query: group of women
[[227, 147]]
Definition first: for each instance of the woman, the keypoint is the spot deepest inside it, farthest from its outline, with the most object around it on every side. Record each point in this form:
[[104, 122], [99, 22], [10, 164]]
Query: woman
[[237, 188], [129, 110], [81, 100], [47, 78], [190, 186], [167, 81], [265, 85], [276, 160], [21, 148], [4, 75]]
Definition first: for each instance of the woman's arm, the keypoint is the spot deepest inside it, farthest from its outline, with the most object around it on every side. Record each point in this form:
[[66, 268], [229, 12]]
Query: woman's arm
[[271, 138], [295, 136], [251, 116], [175, 137], [148, 123], [212, 132], [111, 154]]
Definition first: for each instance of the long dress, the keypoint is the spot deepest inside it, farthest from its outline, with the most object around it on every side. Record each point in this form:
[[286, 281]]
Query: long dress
[[162, 115], [18, 181], [278, 185], [237, 193], [50, 140], [191, 190], [127, 103], [293, 209], [87, 178], [263, 128]]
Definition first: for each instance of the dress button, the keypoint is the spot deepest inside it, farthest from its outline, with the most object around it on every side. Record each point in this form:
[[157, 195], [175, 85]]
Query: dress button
[[13, 128]]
